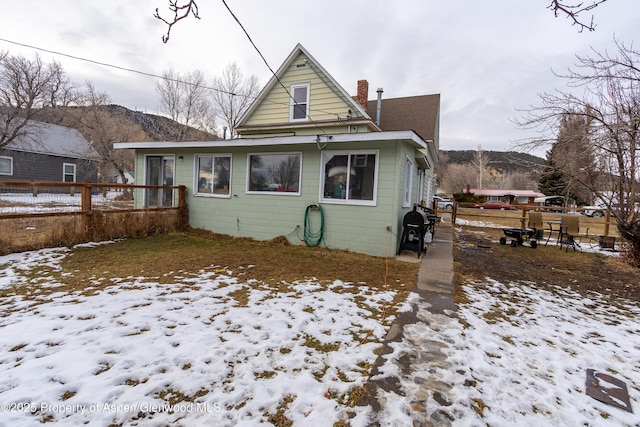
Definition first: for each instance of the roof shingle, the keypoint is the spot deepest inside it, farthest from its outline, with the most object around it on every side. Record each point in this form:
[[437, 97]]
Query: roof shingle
[[417, 113]]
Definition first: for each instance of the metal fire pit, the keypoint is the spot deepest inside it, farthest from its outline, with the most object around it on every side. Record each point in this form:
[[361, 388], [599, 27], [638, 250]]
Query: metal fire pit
[[607, 389]]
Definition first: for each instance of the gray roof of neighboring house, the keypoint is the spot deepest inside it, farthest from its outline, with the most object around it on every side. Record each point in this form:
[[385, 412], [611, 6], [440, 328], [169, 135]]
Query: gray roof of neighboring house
[[53, 140], [417, 113]]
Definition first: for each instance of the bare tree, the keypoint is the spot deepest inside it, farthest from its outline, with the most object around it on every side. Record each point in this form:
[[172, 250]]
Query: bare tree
[[573, 10], [480, 164], [184, 98], [455, 178], [26, 88], [233, 95], [102, 128], [179, 12], [610, 103], [285, 173]]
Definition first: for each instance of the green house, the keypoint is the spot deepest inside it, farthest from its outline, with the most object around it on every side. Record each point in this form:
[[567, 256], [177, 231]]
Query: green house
[[311, 163]]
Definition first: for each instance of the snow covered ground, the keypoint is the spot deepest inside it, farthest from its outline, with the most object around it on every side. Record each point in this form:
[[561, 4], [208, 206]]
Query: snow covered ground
[[212, 348], [209, 349], [55, 201], [517, 356]]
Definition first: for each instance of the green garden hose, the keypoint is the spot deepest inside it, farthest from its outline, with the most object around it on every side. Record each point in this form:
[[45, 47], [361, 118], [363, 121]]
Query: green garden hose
[[311, 238]]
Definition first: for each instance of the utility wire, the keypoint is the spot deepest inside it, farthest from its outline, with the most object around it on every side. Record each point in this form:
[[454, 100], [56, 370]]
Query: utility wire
[[268, 66], [104, 64], [156, 76]]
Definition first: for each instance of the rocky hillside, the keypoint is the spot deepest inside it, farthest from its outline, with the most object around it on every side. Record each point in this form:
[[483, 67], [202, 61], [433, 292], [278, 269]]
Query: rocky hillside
[[503, 161], [115, 123]]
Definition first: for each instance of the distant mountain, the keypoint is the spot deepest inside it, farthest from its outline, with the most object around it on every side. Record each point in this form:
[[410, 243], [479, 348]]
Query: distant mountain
[[503, 161], [124, 125]]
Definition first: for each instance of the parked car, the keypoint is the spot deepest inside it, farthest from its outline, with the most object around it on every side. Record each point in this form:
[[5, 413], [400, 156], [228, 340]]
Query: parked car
[[555, 204], [592, 211], [443, 203], [494, 204]]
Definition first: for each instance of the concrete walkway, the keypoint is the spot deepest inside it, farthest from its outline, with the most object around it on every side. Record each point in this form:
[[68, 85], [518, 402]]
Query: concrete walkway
[[409, 343]]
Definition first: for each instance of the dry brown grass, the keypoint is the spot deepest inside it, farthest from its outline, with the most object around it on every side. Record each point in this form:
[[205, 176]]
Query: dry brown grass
[[478, 255], [37, 232], [168, 258]]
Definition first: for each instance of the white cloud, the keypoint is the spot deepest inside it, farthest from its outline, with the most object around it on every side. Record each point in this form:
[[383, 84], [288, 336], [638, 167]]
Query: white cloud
[[486, 59]]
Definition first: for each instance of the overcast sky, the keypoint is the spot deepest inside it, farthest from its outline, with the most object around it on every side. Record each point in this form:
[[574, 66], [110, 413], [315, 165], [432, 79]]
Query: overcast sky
[[487, 59]]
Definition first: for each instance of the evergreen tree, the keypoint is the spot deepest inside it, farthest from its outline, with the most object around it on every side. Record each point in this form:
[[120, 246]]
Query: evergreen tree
[[550, 182]]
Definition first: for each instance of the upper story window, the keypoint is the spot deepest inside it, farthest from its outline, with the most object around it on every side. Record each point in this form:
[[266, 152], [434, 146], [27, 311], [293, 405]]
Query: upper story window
[[213, 175], [299, 105], [275, 173], [6, 165], [350, 177], [68, 172]]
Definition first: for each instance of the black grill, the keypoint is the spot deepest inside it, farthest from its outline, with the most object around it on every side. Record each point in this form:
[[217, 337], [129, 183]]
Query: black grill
[[415, 225]]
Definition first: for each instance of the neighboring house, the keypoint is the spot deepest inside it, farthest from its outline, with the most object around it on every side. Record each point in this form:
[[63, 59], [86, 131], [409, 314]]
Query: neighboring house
[[514, 197], [47, 152], [305, 142]]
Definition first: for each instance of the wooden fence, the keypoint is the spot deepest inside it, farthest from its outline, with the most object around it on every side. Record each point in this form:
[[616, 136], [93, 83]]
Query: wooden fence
[[604, 226], [34, 215]]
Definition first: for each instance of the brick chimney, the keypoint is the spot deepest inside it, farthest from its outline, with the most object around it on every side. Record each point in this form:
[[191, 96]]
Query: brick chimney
[[363, 93]]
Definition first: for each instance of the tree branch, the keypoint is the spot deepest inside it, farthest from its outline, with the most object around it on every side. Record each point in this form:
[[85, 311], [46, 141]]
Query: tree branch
[[572, 11], [179, 12]]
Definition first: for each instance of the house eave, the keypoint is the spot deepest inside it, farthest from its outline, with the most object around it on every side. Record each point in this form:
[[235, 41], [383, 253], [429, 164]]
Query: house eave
[[321, 138]]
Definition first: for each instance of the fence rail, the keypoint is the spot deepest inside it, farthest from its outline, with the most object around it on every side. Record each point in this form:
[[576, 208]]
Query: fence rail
[[606, 226], [44, 214], [26, 198]]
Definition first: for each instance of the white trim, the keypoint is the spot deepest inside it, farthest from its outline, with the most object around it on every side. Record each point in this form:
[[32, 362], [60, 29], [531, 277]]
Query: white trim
[[197, 156], [292, 103], [64, 172], [347, 201], [278, 193], [407, 186], [403, 135], [10, 165]]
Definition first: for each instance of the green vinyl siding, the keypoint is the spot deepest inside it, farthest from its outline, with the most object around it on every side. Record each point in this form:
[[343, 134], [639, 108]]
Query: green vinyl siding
[[265, 216]]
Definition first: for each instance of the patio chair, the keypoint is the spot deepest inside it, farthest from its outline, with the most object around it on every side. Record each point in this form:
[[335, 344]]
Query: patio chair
[[535, 221], [570, 232]]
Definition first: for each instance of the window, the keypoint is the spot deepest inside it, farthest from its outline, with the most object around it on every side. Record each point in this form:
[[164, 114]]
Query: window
[[275, 173], [213, 175], [299, 102], [68, 172], [408, 182], [349, 177], [6, 165]]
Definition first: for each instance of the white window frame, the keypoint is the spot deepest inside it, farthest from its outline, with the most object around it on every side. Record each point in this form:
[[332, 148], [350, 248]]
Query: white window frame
[[196, 170], [278, 193], [408, 182], [292, 102], [326, 156], [10, 159], [64, 172]]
